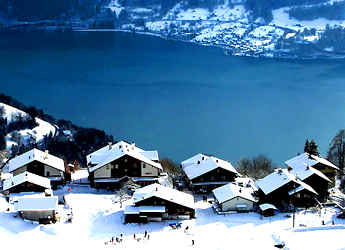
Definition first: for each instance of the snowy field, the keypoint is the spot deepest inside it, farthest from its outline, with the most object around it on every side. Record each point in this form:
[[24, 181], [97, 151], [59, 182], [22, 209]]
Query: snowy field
[[97, 219]]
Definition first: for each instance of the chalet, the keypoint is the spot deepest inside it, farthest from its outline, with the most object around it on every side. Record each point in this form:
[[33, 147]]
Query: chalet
[[111, 165], [232, 197], [205, 173], [156, 203], [267, 209], [40, 163], [26, 182], [318, 163], [314, 178], [282, 187], [41, 209]]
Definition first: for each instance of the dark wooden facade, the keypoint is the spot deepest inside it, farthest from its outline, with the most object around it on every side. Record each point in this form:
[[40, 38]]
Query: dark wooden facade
[[212, 179], [319, 184], [120, 169], [27, 187], [171, 207]]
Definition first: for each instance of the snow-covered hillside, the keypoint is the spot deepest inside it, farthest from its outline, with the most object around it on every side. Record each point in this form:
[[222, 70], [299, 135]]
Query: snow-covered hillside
[[231, 27], [97, 219], [37, 134]]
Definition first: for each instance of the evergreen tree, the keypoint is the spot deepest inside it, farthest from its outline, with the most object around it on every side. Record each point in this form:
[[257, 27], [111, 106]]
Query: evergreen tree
[[336, 152], [311, 148]]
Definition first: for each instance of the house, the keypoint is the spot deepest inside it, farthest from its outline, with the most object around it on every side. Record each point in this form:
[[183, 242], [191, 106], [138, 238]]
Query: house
[[40, 163], [282, 187], [232, 197], [26, 182], [111, 165], [156, 203], [314, 178], [205, 173], [267, 209], [41, 209], [318, 163]]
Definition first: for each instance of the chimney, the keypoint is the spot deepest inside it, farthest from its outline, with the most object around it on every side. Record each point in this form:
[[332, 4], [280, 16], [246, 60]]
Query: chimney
[[280, 170], [110, 145], [133, 145], [240, 190], [47, 152]]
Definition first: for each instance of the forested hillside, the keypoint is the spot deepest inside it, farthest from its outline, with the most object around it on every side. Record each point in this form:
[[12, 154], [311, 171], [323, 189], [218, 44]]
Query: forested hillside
[[70, 142]]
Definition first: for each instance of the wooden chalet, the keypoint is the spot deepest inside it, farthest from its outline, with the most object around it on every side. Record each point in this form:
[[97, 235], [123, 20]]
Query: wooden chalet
[[40, 163], [232, 197], [318, 163], [205, 173], [42, 209], [157, 202], [282, 187], [314, 178], [110, 166], [26, 182]]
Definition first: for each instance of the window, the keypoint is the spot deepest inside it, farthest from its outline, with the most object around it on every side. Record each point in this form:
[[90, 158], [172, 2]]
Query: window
[[126, 160], [135, 165], [223, 178], [201, 178], [48, 173], [218, 170], [107, 167], [212, 178], [144, 166], [116, 166], [126, 170]]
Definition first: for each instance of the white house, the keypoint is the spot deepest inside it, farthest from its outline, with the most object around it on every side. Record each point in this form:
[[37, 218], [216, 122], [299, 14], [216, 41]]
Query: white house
[[232, 197]]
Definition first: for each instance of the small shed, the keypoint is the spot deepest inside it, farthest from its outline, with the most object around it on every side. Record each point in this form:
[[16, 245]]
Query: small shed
[[232, 197], [267, 209], [41, 209]]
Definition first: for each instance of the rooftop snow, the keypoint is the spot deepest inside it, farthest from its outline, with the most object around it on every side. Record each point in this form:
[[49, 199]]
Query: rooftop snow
[[36, 155], [266, 206], [36, 203], [304, 159], [26, 177], [207, 165], [110, 153], [304, 171], [231, 191], [165, 193]]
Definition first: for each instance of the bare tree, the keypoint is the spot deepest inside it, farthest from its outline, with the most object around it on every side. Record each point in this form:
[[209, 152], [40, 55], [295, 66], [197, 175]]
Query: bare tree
[[257, 168]]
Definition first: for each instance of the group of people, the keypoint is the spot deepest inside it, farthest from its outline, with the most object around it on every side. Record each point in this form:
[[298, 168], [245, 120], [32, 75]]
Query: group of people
[[146, 236], [116, 240]]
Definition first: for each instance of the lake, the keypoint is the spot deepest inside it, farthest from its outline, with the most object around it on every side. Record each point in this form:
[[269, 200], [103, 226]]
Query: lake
[[179, 98]]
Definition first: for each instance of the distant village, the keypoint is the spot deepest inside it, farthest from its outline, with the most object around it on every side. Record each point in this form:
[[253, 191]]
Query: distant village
[[33, 178]]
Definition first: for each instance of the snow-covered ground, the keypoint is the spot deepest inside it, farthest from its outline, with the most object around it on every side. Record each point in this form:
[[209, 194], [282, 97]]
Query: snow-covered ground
[[97, 219]]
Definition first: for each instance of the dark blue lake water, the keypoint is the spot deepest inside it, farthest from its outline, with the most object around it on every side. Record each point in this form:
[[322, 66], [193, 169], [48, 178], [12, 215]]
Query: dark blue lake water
[[179, 98]]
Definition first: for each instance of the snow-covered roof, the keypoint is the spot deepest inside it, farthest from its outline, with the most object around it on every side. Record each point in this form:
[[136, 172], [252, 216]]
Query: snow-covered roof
[[131, 209], [193, 160], [207, 165], [110, 153], [266, 206], [231, 191], [310, 160], [303, 186], [26, 177], [275, 180], [36, 155], [36, 203], [279, 178], [304, 171], [165, 193]]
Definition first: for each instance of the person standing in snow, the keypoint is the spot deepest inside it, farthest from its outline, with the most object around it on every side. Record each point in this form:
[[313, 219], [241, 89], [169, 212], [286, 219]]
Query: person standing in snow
[[134, 236], [145, 233], [192, 242]]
